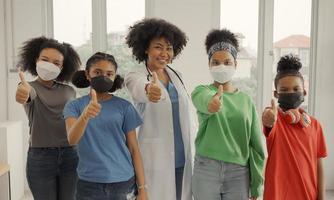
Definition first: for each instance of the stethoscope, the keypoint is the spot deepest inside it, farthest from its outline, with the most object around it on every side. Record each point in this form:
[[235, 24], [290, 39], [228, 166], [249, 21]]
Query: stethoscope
[[178, 76]]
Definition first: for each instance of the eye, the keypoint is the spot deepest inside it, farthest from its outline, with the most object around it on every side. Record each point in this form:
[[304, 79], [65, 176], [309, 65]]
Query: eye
[[158, 47], [228, 63], [110, 74], [57, 64], [215, 63], [283, 90]]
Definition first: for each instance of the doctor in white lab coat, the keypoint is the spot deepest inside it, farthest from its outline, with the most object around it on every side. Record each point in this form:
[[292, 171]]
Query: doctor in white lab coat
[[148, 87]]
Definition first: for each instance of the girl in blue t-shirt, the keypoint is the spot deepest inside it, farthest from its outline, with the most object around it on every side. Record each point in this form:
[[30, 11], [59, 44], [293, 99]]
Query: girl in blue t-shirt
[[103, 126]]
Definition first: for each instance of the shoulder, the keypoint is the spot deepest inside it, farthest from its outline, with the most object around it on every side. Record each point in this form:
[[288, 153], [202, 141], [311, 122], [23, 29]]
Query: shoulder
[[122, 102], [246, 97], [79, 101], [140, 71], [65, 86], [315, 123], [173, 70], [201, 88]]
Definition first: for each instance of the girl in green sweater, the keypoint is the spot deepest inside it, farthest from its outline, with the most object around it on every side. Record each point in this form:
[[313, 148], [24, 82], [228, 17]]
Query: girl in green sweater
[[229, 153]]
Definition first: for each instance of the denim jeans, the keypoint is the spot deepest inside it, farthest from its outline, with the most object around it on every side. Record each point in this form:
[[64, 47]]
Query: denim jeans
[[51, 172], [126, 190], [219, 180]]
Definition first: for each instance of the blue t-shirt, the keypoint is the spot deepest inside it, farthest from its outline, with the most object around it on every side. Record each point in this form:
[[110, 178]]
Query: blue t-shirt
[[178, 141], [103, 154]]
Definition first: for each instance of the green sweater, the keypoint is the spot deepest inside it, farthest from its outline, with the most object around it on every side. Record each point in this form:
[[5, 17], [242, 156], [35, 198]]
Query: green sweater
[[233, 134]]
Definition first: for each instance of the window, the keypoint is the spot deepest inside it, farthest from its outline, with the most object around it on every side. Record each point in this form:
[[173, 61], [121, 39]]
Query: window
[[120, 16], [73, 24], [241, 17], [292, 27]]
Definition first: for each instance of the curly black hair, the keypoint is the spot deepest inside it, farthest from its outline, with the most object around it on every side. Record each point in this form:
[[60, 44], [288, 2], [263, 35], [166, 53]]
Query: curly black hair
[[80, 80], [32, 48], [288, 65], [141, 34], [223, 35]]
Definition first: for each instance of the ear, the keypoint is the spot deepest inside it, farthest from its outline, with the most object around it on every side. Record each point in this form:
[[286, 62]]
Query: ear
[[276, 94], [87, 75], [236, 63], [305, 93]]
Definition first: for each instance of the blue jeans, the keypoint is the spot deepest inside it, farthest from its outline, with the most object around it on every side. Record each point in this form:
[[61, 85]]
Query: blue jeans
[[126, 190], [219, 180], [51, 172]]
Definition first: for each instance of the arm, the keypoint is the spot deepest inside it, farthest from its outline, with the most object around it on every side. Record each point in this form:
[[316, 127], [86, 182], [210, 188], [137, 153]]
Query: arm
[[321, 180], [207, 101], [75, 127], [269, 118], [256, 157], [24, 92], [136, 84], [132, 144]]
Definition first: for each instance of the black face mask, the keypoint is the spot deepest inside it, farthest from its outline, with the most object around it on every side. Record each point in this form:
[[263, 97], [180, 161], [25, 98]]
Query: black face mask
[[290, 100], [101, 84]]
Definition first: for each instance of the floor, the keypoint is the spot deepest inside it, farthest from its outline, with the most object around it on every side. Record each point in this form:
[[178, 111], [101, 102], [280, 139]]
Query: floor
[[329, 195]]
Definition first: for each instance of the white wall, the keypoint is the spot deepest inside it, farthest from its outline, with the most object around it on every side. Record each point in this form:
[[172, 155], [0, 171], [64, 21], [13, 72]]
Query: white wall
[[324, 88], [3, 71]]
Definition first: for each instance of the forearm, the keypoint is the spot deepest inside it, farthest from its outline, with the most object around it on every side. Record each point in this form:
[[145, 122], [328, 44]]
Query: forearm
[[256, 165], [138, 166], [321, 181], [201, 102], [136, 86], [77, 130]]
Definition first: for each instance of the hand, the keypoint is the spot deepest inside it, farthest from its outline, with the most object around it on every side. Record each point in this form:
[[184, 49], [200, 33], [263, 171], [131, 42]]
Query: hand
[[142, 195], [93, 108], [153, 89], [23, 90], [215, 103], [269, 115], [253, 198]]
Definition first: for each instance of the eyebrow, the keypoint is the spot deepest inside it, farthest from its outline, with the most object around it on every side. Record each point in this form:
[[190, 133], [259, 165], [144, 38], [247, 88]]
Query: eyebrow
[[97, 69], [158, 43], [49, 58]]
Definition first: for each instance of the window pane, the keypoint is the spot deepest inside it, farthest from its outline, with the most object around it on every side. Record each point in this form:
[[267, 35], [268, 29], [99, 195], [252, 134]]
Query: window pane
[[292, 29], [73, 24], [121, 15], [232, 17]]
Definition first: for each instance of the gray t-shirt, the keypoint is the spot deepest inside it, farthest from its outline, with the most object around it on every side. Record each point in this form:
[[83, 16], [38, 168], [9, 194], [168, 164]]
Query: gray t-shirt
[[45, 114]]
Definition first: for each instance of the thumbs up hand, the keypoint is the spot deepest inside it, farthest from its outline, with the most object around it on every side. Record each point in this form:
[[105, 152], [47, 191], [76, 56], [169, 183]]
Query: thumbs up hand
[[215, 103], [93, 108], [23, 90], [153, 90], [269, 115]]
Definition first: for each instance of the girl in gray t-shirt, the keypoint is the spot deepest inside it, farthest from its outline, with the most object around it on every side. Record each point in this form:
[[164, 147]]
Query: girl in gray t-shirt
[[52, 162]]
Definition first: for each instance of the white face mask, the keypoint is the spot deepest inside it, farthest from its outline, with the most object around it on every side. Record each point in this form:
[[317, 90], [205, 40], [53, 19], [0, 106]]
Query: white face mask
[[47, 71], [222, 73]]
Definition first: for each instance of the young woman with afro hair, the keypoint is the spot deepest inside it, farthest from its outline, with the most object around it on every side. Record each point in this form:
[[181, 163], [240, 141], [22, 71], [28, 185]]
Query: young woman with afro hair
[[52, 162], [160, 96]]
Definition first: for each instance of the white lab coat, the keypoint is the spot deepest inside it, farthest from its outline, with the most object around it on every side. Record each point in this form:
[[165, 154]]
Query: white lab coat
[[156, 136]]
